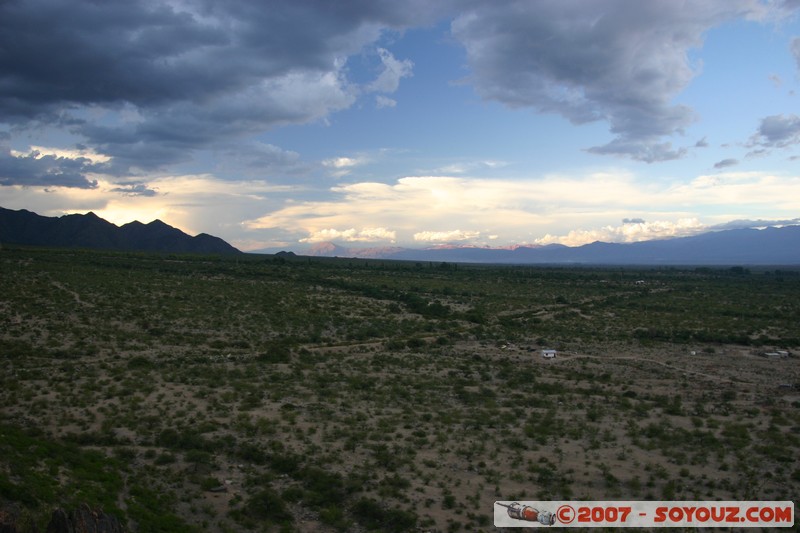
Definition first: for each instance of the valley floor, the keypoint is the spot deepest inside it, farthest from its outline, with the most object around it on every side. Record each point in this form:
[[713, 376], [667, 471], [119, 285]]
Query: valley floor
[[200, 394]]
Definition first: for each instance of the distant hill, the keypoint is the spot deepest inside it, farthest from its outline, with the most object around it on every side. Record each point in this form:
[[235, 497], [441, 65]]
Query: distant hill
[[770, 246], [91, 231], [329, 249]]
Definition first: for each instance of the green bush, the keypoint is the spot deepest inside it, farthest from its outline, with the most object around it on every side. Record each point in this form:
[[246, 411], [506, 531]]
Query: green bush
[[267, 505], [376, 516]]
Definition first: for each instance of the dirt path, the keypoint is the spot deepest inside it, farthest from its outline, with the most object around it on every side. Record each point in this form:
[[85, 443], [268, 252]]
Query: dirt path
[[74, 294], [655, 362]]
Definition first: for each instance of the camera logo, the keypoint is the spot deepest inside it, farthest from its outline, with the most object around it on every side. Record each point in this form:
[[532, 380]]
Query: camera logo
[[527, 513]]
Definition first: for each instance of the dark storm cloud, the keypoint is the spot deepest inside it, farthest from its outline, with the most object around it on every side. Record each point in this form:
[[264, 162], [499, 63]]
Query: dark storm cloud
[[56, 52], [193, 73], [151, 82], [45, 170], [613, 60], [36, 168], [167, 134], [135, 189]]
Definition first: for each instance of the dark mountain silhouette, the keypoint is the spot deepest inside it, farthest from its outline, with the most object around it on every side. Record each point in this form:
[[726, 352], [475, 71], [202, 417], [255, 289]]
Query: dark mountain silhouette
[[770, 246], [91, 231]]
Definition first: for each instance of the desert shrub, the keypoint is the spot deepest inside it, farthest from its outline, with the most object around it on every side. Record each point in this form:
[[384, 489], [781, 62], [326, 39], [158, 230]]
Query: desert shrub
[[125, 454], [198, 458], [736, 435], [334, 516], [393, 486], [323, 488], [375, 516], [150, 511], [15, 349], [185, 439], [209, 482], [164, 459], [30, 461], [139, 361], [394, 344], [415, 343], [267, 505], [670, 489], [251, 452], [284, 463], [276, 353], [293, 494], [448, 501]]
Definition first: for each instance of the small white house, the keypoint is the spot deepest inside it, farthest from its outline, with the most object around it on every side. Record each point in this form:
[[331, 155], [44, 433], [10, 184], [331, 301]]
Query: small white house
[[548, 354]]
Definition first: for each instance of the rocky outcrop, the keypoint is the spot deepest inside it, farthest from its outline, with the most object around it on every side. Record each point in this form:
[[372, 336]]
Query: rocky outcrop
[[84, 519], [13, 520]]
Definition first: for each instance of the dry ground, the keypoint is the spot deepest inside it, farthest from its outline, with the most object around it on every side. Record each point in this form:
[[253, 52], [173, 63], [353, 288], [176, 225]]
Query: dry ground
[[189, 401]]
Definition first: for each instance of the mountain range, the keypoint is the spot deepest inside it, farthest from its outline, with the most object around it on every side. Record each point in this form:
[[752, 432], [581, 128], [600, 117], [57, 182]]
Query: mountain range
[[91, 231], [768, 246]]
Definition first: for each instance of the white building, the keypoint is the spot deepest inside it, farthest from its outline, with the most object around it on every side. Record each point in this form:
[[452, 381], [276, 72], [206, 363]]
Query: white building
[[548, 354]]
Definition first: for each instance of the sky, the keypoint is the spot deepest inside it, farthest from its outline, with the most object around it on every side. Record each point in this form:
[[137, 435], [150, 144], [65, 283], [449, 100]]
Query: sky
[[281, 124]]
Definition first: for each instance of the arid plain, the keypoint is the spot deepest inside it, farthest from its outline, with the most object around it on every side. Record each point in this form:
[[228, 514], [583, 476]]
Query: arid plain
[[263, 393]]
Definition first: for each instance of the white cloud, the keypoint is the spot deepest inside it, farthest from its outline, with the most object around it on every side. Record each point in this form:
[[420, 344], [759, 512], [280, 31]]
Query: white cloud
[[351, 235], [377, 234], [382, 101], [342, 166], [342, 162], [556, 208], [569, 209], [629, 232], [394, 70], [746, 192], [464, 167], [446, 236]]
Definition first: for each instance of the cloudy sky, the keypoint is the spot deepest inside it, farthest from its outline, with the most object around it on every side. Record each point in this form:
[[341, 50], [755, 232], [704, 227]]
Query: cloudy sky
[[284, 123]]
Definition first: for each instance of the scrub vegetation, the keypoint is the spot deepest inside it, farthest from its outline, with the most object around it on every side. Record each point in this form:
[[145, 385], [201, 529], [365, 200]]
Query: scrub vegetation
[[273, 393]]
